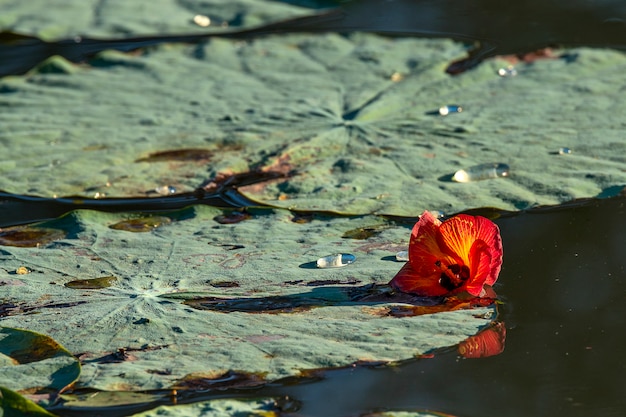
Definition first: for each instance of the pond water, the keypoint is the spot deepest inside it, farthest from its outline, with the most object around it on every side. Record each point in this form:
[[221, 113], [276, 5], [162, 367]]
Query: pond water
[[562, 284]]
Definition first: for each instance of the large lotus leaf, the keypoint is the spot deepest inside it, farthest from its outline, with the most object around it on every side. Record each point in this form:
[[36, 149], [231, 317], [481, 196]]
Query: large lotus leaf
[[353, 115], [116, 18], [33, 361], [142, 325]]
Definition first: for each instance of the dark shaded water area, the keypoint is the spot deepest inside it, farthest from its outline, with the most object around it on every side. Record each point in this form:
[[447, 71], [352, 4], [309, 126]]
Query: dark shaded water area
[[563, 296]]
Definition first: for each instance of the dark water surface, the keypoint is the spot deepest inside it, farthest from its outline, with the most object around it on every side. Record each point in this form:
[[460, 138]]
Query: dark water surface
[[563, 284]]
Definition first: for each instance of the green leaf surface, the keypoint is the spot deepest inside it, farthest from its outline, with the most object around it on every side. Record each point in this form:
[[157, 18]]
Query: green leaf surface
[[217, 408], [143, 330], [13, 404], [30, 360], [352, 114]]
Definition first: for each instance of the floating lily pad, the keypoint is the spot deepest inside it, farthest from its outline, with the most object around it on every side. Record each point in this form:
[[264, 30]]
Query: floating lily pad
[[35, 361], [352, 115], [145, 332]]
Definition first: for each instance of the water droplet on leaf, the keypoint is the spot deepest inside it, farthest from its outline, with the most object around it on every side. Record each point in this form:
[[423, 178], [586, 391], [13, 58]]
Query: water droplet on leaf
[[336, 261], [482, 172]]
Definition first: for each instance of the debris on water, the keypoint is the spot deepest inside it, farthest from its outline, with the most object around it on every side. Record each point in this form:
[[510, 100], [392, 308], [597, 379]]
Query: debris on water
[[402, 256], [564, 151], [335, 261], [508, 71], [482, 172], [446, 110], [165, 190]]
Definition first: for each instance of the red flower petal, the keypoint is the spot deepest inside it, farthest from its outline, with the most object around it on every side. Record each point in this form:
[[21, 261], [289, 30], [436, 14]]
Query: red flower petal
[[421, 274], [458, 234], [409, 281], [480, 267]]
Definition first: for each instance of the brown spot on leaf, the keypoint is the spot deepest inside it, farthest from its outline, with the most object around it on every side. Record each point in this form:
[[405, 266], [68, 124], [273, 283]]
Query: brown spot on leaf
[[140, 225], [362, 233], [322, 282], [91, 284], [232, 217], [183, 155], [224, 284], [29, 237]]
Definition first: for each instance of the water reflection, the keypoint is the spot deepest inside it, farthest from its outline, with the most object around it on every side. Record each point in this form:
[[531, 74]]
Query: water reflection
[[563, 284]]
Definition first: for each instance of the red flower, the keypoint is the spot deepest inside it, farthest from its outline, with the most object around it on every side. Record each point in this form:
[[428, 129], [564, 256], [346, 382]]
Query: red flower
[[461, 254]]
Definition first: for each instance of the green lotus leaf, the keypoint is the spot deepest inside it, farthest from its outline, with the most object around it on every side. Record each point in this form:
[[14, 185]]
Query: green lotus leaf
[[13, 404], [32, 360], [195, 299], [355, 116]]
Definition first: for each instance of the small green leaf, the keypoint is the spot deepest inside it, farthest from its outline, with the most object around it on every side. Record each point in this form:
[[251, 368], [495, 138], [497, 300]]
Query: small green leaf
[[13, 404], [35, 361]]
